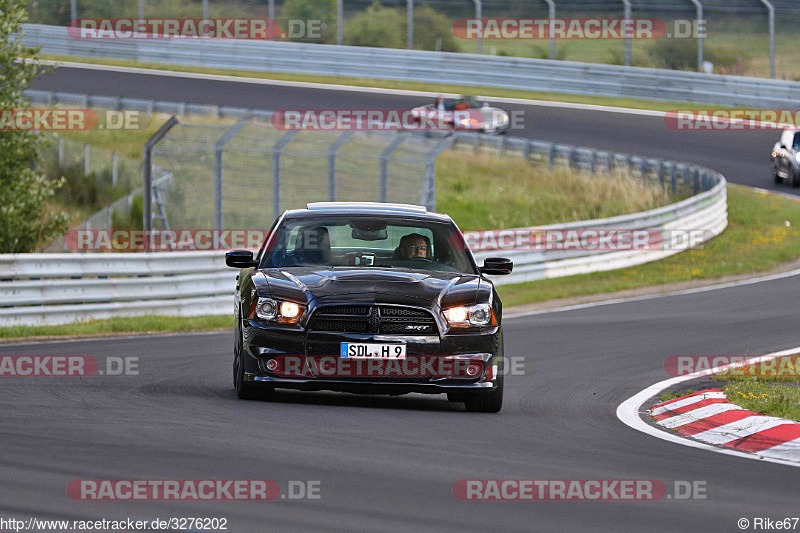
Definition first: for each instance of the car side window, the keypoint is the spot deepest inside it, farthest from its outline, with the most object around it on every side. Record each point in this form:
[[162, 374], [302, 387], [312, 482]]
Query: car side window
[[796, 143]]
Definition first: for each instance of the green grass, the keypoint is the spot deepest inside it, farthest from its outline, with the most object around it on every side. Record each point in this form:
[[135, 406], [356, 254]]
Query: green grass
[[481, 191], [757, 239], [767, 399], [781, 369], [139, 324], [667, 396]]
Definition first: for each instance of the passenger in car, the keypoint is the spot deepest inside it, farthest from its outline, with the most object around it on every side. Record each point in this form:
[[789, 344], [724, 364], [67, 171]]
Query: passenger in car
[[412, 246]]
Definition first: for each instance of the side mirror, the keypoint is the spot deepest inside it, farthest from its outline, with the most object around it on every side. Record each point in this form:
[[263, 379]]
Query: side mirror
[[497, 266], [240, 259]]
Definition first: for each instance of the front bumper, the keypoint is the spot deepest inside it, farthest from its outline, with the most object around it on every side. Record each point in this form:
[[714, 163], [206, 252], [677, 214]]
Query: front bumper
[[474, 361]]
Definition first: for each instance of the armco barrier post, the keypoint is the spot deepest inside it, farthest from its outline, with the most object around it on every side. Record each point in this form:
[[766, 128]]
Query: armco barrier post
[[147, 171], [699, 17], [627, 17], [551, 13], [771, 10]]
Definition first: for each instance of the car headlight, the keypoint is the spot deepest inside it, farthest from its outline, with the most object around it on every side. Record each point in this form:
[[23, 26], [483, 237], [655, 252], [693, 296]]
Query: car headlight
[[797, 157], [278, 311], [502, 118], [470, 316]]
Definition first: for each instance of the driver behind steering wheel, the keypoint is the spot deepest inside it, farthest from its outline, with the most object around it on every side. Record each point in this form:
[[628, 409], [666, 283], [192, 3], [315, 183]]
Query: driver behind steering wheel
[[414, 246]]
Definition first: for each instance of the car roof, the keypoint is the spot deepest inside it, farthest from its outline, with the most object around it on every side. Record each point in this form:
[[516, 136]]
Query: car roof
[[367, 208]]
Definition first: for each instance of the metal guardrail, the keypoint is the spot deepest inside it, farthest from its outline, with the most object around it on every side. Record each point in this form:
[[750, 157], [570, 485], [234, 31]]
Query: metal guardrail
[[435, 67], [60, 288]]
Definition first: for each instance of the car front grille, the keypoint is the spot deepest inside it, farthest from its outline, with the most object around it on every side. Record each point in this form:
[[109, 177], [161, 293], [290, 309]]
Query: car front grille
[[387, 319]]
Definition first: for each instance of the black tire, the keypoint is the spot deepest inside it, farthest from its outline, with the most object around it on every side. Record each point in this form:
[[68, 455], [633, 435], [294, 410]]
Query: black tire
[[794, 179], [244, 389], [481, 402]]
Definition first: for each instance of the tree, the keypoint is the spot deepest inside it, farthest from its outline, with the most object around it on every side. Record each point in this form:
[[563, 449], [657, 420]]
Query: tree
[[25, 220]]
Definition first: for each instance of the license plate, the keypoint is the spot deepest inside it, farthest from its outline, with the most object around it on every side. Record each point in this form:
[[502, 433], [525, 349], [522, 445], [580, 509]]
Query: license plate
[[372, 350]]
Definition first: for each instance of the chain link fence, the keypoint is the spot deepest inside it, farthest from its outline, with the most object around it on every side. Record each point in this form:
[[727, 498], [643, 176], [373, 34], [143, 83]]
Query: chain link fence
[[244, 174]]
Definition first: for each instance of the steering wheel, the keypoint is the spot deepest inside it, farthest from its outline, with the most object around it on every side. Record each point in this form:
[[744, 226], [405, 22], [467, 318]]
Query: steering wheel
[[421, 259]]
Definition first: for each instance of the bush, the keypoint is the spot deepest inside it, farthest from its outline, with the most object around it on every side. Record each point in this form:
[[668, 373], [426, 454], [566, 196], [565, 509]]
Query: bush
[[681, 54], [385, 27], [675, 54], [306, 10], [376, 26], [430, 25]]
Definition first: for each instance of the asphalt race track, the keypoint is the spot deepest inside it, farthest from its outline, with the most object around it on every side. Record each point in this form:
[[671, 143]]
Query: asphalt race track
[[389, 464]]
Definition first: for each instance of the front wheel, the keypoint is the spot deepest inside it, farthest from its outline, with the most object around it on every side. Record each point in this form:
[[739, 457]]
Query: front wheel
[[793, 178], [481, 402], [775, 176]]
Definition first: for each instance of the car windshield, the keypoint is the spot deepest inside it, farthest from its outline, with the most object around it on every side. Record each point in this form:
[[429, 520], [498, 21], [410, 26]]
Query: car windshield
[[467, 102], [368, 242], [796, 143]]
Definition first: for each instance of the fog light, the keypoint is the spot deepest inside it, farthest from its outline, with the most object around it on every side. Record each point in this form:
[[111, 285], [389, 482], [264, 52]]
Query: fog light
[[473, 370], [272, 365]]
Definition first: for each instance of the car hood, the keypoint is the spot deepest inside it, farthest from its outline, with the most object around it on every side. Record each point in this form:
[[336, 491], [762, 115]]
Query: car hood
[[327, 285]]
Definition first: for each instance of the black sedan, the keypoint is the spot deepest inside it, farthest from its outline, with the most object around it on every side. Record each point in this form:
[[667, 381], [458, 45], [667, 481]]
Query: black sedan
[[368, 298]]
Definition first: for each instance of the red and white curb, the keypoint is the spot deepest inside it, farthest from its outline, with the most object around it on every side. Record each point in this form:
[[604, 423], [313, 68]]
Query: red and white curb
[[728, 434], [709, 417]]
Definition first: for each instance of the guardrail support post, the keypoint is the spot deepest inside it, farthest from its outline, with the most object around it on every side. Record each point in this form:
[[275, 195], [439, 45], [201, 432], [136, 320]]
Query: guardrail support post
[[147, 171], [551, 14], [410, 24], [479, 15], [114, 169], [385, 155], [61, 151], [219, 147], [86, 161], [276, 171], [73, 9], [271, 15], [699, 17], [627, 17], [771, 11], [339, 22], [338, 143]]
